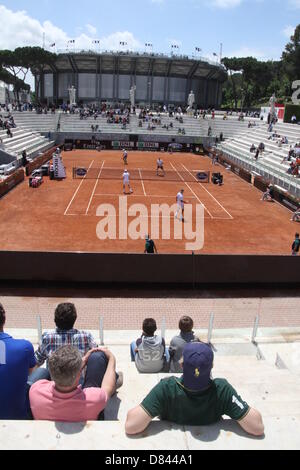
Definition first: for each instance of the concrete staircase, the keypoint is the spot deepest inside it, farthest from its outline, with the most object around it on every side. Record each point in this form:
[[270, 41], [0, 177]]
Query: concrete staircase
[[270, 164], [25, 139]]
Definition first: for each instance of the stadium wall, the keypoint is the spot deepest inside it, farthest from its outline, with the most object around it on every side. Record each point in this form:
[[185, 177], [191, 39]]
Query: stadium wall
[[184, 270], [207, 92], [159, 79]]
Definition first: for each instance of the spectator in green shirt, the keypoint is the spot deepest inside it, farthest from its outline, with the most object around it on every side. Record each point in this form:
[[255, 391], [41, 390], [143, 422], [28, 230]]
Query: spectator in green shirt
[[195, 399]]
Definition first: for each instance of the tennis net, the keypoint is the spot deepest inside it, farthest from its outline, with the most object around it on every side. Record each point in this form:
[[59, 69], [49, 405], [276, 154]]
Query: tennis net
[[191, 176]]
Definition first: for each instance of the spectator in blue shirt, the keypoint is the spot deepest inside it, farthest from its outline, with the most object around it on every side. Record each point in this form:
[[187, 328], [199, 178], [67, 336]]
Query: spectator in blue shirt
[[17, 360]]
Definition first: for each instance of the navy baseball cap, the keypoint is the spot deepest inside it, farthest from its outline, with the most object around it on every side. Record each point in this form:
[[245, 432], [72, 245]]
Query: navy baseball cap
[[198, 359]]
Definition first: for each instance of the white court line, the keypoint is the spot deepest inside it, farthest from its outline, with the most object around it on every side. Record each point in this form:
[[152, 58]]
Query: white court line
[[208, 193], [75, 194], [142, 182], [94, 190], [139, 195], [211, 216], [118, 215]]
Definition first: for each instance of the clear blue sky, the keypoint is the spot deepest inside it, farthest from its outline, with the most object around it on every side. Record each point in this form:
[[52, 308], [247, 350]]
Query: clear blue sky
[[245, 27]]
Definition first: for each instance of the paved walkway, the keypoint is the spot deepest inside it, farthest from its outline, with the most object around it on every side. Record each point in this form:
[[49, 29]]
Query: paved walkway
[[127, 310]]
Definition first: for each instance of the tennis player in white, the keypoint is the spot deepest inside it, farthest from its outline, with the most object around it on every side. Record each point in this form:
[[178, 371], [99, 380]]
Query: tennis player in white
[[126, 182], [160, 166], [180, 205]]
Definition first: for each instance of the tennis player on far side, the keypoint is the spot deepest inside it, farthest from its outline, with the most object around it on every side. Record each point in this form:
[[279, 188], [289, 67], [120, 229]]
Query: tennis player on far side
[[180, 205], [125, 157], [126, 182], [160, 167]]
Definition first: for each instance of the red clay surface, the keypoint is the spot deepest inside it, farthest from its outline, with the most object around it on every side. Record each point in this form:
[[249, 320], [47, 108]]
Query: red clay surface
[[61, 216]]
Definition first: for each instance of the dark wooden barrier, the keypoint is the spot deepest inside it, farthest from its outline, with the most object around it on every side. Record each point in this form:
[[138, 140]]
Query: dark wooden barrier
[[191, 270], [11, 181]]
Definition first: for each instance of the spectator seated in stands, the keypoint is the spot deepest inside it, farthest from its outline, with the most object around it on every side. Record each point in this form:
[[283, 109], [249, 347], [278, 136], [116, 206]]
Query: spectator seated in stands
[[252, 148], [225, 117], [140, 123], [284, 140], [16, 363], [261, 147], [273, 136], [195, 399], [65, 317], [9, 134], [270, 128], [294, 119], [149, 352], [293, 169], [179, 342], [68, 398]]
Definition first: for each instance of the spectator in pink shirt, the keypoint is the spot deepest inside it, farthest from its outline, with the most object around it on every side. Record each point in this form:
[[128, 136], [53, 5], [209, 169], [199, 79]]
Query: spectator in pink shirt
[[63, 399]]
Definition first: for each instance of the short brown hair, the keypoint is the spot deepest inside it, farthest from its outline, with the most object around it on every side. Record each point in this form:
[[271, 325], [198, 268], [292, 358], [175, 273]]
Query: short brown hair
[[65, 365], [186, 324], [149, 327], [65, 316], [2, 315]]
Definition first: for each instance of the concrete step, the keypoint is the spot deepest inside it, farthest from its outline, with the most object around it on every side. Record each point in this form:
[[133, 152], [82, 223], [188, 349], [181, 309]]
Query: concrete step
[[280, 434]]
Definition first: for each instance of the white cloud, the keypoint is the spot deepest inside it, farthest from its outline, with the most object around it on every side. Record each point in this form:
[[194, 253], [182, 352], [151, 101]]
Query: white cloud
[[215, 3], [18, 29], [225, 3], [295, 3], [249, 52], [288, 31], [91, 29]]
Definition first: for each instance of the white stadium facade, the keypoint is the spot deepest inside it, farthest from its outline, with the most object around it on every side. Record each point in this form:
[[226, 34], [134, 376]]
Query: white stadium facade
[[108, 77]]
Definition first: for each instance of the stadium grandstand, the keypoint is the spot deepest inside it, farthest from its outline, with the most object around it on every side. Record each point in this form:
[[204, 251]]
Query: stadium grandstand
[[159, 79]]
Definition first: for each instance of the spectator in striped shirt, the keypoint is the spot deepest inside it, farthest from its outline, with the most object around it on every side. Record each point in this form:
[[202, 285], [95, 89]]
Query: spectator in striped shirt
[[64, 335]]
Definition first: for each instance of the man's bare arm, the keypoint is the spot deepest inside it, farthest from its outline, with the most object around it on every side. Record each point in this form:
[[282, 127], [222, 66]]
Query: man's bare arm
[[137, 421], [253, 423]]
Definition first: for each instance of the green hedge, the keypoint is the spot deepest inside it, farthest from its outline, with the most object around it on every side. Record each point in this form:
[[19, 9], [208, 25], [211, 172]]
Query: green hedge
[[290, 110]]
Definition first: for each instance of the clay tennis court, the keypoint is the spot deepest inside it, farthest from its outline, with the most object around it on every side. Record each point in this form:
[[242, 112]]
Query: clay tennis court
[[62, 215]]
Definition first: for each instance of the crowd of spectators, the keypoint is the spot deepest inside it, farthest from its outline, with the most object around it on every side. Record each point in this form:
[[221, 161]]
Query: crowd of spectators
[[7, 123], [80, 378]]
